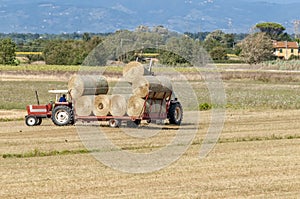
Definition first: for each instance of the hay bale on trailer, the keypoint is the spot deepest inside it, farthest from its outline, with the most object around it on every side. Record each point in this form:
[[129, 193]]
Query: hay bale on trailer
[[122, 87], [101, 105], [84, 105], [135, 106], [118, 105], [80, 85], [158, 86], [133, 70], [166, 89]]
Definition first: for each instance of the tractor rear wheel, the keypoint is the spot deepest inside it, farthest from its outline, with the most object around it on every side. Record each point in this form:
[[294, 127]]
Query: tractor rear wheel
[[31, 120], [175, 113], [62, 115]]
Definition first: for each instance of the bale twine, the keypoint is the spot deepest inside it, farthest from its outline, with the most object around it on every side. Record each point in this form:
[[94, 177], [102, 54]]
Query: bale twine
[[133, 70], [101, 105], [135, 106], [80, 85], [84, 105], [118, 105]]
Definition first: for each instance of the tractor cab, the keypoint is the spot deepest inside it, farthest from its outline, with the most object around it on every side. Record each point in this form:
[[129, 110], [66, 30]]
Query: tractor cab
[[62, 97], [59, 94]]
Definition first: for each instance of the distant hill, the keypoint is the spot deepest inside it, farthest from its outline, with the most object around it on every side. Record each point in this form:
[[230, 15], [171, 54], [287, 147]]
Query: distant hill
[[56, 16]]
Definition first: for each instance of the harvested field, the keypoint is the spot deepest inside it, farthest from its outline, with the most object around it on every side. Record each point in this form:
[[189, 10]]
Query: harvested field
[[257, 156]]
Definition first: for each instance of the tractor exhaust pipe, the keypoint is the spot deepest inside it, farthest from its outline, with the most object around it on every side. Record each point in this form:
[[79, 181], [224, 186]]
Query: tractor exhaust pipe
[[37, 97]]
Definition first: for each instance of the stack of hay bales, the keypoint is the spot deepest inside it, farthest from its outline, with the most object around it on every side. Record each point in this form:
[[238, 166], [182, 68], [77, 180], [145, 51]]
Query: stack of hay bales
[[90, 94], [137, 90], [154, 89]]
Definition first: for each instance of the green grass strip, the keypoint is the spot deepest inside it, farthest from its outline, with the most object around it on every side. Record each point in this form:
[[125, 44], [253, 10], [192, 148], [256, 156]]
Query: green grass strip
[[252, 139], [10, 119], [38, 153]]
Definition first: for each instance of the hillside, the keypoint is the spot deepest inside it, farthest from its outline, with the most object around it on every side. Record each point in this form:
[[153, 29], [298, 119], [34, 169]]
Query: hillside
[[108, 16]]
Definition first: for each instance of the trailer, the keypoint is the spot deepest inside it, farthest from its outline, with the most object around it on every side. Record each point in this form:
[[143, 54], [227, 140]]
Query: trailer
[[64, 113]]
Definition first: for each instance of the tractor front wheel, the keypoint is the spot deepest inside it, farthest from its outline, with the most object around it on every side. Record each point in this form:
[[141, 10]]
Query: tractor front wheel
[[175, 113], [31, 120], [39, 121], [62, 115]]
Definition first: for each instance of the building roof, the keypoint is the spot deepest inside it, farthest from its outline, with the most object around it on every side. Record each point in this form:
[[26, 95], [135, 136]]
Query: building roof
[[284, 44]]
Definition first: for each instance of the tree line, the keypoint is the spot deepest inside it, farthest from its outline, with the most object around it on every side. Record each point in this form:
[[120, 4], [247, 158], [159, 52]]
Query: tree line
[[172, 48]]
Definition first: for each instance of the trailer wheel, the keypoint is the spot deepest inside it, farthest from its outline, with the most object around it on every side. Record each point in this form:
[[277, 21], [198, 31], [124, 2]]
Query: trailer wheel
[[30, 120], [114, 123], [39, 121], [62, 115], [134, 123], [175, 113]]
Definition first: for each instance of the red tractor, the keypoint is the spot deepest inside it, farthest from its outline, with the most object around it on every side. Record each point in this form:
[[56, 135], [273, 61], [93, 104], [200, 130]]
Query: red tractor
[[60, 111]]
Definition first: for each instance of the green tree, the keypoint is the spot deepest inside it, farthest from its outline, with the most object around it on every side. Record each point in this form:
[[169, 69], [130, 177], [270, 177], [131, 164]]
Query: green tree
[[69, 52], [256, 48], [174, 49], [274, 30], [86, 36], [218, 38], [218, 53], [7, 51], [213, 40]]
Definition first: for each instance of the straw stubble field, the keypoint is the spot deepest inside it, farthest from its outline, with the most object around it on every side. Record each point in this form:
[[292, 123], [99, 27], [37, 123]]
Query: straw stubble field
[[257, 155]]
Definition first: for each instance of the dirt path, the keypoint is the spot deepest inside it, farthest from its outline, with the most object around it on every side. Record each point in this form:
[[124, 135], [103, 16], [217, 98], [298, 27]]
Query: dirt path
[[257, 157]]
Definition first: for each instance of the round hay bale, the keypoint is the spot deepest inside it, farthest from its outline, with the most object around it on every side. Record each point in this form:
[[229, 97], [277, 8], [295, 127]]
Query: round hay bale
[[140, 87], [133, 70], [135, 106], [161, 95], [101, 105], [143, 85], [118, 105], [165, 89], [166, 84], [122, 87], [84, 105], [80, 85]]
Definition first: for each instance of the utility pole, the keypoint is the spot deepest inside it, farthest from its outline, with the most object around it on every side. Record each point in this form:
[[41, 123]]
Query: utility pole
[[296, 28]]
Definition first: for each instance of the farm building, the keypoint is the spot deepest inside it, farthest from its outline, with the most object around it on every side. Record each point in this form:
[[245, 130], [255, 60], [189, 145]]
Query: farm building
[[285, 49]]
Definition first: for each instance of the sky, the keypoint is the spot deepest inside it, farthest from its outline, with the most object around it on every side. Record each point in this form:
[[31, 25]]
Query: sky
[[276, 1], [48, 16]]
